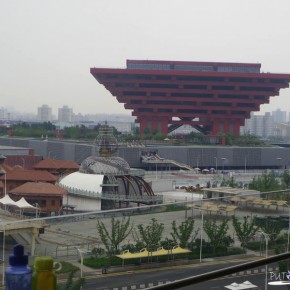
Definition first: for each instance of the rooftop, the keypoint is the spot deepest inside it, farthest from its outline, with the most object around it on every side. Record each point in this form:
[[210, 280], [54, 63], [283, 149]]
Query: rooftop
[[56, 164], [194, 66], [38, 188], [20, 174]]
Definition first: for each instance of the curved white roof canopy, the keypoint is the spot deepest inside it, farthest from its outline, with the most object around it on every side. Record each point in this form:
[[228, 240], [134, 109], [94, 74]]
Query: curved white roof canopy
[[83, 182]]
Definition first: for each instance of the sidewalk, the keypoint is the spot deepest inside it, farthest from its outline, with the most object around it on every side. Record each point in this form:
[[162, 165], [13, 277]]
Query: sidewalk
[[152, 265]]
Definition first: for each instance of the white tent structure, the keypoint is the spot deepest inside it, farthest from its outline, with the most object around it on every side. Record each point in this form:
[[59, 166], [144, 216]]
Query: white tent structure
[[6, 200], [21, 204]]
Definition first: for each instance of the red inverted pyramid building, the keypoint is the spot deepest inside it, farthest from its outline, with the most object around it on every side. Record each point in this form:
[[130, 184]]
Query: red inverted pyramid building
[[213, 97]]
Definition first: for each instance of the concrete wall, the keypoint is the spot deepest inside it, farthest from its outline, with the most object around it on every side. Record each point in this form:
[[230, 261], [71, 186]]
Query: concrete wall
[[195, 156], [82, 203]]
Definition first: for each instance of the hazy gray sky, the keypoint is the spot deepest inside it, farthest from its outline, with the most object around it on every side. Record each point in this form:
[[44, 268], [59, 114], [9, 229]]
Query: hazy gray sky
[[48, 47]]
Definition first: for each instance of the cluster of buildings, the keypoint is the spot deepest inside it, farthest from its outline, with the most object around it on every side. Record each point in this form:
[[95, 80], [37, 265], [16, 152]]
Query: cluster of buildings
[[44, 114], [67, 118], [270, 124], [212, 97], [55, 186], [34, 181], [274, 124]]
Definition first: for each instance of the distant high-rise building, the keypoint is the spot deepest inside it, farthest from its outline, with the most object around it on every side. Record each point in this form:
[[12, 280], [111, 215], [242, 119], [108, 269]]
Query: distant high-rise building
[[65, 114], [4, 115], [44, 113], [279, 116], [259, 125]]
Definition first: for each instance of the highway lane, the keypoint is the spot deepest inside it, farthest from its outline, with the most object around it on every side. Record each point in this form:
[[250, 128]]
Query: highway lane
[[143, 278]]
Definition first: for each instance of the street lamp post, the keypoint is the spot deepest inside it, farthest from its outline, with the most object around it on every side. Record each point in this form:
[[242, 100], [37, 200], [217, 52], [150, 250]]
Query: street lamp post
[[215, 164], [23, 163], [201, 237], [245, 164], [5, 180], [3, 255], [266, 236], [223, 159], [36, 209], [288, 235], [81, 252], [279, 159], [82, 260], [197, 161], [3, 172]]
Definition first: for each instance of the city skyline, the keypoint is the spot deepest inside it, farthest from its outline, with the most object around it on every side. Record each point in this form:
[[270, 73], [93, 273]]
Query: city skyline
[[47, 49]]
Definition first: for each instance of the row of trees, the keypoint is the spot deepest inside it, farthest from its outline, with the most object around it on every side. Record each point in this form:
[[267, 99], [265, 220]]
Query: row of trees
[[270, 181], [266, 182], [184, 234], [25, 129]]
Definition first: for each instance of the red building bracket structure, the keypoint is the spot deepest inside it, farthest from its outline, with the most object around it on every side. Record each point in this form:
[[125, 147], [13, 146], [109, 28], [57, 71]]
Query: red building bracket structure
[[213, 97]]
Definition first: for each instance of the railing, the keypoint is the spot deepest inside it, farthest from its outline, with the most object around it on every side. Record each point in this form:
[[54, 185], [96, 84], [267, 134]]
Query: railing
[[220, 273], [114, 196]]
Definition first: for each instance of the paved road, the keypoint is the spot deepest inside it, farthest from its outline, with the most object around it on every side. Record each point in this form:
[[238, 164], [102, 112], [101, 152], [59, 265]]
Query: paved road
[[143, 278]]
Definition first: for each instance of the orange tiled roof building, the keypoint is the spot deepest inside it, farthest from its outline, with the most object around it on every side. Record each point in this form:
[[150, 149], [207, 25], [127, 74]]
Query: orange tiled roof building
[[19, 176], [57, 167], [47, 196]]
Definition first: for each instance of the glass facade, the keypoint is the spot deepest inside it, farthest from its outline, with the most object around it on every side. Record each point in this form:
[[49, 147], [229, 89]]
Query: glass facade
[[239, 69], [195, 67]]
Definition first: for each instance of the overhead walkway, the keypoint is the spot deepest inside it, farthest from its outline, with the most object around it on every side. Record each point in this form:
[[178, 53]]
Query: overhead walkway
[[180, 165], [157, 160], [146, 199]]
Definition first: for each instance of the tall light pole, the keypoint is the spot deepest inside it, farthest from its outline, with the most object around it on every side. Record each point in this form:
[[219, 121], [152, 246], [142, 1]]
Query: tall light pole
[[266, 236], [201, 237], [223, 159], [3, 255], [5, 188], [215, 164], [23, 163], [81, 252], [245, 164], [288, 235], [197, 161], [279, 159], [2, 171]]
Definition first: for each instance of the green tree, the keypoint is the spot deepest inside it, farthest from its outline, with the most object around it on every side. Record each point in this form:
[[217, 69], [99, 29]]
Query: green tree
[[152, 234], [183, 234], [246, 230], [231, 182], [159, 136], [271, 227], [147, 131], [217, 234], [120, 229], [265, 182], [286, 178], [72, 132], [247, 140]]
